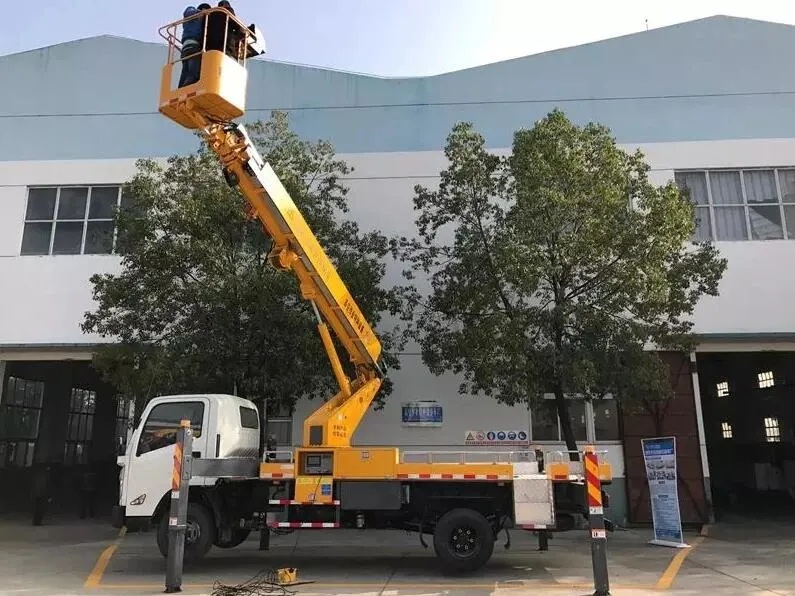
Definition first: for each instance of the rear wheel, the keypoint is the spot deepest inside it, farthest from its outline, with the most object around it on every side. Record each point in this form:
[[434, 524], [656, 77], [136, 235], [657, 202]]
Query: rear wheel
[[463, 540], [199, 533]]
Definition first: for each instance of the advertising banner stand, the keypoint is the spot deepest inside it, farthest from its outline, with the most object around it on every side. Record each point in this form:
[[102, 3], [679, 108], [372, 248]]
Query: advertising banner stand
[[659, 455]]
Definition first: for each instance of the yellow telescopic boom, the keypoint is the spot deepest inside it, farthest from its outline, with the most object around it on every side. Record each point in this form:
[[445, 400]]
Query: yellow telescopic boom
[[210, 105]]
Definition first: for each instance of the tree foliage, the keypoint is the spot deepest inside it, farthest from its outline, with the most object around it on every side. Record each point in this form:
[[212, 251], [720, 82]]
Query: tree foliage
[[553, 269], [196, 306]]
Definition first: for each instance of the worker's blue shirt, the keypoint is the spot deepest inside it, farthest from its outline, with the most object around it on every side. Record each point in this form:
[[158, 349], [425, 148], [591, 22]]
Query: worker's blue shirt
[[192, 29]]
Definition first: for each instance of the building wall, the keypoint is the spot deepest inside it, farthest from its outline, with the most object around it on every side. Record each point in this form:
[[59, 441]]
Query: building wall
[[51, 293], [685, 82], [712, 99], [675, 418]]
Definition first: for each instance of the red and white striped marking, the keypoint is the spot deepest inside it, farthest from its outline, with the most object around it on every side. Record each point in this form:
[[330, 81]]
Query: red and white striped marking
[[454, 477], [533, 526], [303, 525], [276, 475], [293, 502]]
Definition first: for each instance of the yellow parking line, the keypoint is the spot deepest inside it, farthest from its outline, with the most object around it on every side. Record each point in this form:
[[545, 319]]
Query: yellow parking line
[[670, 573], [93, 579]]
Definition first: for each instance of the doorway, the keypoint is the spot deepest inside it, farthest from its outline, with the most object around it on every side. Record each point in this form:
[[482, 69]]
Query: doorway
[[748, 401]]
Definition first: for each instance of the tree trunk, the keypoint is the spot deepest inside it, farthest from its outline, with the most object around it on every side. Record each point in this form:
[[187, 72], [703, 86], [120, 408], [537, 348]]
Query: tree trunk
[[565, 423]]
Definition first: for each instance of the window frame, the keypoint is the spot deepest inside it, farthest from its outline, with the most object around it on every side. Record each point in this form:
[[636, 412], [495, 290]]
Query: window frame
[[765, 379], [243, 422], [590, 422], [279, 423], [86, 219], [145, 421], [77, 450], [30, 443], [772, 429], [713, 207], [125, 412]]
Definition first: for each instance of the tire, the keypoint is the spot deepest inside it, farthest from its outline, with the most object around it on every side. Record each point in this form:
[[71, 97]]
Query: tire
[[238, 537], [463, 540], [199, 535]]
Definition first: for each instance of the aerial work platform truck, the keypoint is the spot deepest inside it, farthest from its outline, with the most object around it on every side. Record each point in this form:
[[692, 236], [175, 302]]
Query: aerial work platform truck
[[462, 499]]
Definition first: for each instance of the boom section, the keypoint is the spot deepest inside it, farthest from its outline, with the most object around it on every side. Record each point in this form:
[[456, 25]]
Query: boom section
[[295, 247]]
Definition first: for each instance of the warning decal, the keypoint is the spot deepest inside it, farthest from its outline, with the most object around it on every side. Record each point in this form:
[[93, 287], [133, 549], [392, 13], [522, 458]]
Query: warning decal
[[497, 437]]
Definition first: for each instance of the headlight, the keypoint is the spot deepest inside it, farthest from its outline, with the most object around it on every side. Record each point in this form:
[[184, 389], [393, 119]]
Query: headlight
[[138, 500]]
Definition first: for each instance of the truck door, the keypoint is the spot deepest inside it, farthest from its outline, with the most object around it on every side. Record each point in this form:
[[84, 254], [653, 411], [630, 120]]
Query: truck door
[[151, 456]]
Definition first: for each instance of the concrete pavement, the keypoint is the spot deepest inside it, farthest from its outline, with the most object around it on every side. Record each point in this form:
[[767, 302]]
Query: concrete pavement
[[90, 558]]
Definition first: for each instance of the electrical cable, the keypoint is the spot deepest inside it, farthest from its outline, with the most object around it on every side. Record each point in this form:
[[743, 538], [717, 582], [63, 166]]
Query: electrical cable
[[423, 104], [264, 582]]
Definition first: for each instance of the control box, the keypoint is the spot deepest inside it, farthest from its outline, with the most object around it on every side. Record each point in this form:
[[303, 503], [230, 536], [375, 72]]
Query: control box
[[317, 463]]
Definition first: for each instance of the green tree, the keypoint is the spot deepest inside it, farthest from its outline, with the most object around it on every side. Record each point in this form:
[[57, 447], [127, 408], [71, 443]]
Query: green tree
[[196, 306], [554, 268]]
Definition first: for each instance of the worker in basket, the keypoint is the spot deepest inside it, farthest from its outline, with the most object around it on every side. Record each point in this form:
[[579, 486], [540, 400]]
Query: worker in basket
[[192, 35], [223, 34], [219, 24]]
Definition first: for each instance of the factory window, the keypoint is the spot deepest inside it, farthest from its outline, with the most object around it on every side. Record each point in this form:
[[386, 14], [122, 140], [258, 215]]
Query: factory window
[[723, 389], [772, 431], [545, 424], [605, 414], [124, 409], [20, 414], [743, 204], [765, 379], [726, 430], [80, 426], [70, 220], [279, 424]]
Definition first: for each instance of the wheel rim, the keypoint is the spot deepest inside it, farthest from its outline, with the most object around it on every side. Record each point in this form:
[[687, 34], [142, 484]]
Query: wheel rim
[[464, 542], [192, 531]]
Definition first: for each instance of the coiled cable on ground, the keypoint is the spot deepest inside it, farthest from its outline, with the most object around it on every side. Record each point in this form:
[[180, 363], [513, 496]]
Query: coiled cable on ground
[[264, 582]]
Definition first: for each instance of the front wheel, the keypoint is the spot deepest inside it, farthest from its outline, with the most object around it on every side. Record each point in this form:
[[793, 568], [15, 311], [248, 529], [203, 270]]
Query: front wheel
[[463, 540], [199, 533]]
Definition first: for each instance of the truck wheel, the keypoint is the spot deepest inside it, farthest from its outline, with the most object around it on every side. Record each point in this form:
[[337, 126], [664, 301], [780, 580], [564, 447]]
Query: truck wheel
[[463, 540], [199, 533], [236, 538]]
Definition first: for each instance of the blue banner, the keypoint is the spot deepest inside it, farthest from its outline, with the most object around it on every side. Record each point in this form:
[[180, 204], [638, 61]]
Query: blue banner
[[421, 413], [659, 455]]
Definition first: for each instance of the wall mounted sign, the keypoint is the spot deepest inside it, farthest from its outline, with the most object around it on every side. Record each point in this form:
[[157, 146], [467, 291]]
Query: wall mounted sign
[[421, 413]]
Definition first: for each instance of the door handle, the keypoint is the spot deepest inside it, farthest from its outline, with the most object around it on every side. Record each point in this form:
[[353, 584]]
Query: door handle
[[196, 454]]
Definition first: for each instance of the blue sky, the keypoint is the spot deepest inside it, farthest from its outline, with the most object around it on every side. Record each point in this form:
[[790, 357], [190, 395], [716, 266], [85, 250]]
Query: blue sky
[[385, 37]]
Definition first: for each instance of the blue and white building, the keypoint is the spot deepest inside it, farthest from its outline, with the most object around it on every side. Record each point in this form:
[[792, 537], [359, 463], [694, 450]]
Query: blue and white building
[[707, 101]]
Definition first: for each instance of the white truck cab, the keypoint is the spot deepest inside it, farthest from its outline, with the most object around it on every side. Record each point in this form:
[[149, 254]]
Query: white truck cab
[[224, 426]]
